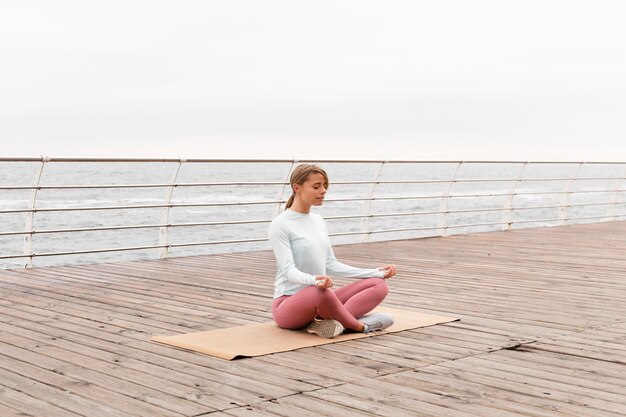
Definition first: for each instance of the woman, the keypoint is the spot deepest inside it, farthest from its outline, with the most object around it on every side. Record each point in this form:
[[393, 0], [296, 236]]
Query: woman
[[305, 259]]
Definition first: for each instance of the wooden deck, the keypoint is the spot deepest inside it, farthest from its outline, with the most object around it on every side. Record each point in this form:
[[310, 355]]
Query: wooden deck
[[542, 333]]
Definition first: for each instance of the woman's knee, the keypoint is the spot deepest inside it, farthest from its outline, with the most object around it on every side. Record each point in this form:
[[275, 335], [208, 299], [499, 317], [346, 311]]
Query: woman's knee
[[325, 295], [381, 286], [377, 288]]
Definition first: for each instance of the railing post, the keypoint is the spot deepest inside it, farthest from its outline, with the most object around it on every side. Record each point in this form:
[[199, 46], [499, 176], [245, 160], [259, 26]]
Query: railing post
[[442, 221], [611, 212], [563, 211], [28, 237], [279, 197], [165, 217], [368, 205], [508, 205]]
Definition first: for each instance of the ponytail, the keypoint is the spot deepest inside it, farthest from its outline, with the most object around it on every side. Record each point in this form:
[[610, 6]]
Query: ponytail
[[290, 200]]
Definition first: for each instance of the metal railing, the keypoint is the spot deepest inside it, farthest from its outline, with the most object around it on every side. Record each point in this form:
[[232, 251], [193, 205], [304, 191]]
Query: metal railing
[[588, 182]]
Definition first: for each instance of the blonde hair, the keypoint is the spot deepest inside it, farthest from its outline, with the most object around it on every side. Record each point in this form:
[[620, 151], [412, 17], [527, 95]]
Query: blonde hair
[[300, 175]]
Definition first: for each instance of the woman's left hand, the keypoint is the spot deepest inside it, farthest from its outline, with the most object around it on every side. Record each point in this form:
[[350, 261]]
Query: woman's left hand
[[389, 270]]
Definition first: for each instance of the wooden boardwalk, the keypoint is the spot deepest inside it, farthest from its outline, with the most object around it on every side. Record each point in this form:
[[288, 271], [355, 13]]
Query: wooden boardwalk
[[542, 333]]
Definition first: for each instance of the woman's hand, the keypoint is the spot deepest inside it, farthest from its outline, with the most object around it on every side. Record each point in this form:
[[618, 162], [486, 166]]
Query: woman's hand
[[323, 282], [389, 270]]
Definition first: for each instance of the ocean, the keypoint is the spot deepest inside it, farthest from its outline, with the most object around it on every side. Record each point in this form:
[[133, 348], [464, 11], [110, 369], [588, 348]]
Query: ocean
[[539, 201]]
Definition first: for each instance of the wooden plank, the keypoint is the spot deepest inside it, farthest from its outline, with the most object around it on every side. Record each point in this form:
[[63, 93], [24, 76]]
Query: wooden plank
[[29, 405], [6, 411], [359, 405], [538, 393], [280, 408], [558, 363], [385, 391], [98, 387], [165, 305], [511, 361], [465, 394], [330, 368], [87, 404], [546, 380], [121, 356], [326, 408]]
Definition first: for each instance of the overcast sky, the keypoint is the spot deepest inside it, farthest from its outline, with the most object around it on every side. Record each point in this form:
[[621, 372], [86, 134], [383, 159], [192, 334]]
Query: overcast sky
[[473, 80]]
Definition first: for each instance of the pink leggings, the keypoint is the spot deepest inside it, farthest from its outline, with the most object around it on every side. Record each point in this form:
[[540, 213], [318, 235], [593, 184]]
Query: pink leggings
[[345, 304]]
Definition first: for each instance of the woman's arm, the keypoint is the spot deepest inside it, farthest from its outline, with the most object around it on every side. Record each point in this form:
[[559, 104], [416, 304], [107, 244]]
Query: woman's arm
[[281, 246], [338, 269]]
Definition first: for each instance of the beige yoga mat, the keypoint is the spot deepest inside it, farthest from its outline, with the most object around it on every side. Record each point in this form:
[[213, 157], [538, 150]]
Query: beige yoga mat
[[265, 338]]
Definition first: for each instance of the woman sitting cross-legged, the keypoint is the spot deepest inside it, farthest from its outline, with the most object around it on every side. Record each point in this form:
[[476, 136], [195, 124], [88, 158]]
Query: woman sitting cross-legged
[[305, 263]]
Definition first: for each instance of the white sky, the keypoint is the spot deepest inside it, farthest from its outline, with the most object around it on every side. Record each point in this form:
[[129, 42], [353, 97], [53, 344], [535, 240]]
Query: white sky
[[473, 80]]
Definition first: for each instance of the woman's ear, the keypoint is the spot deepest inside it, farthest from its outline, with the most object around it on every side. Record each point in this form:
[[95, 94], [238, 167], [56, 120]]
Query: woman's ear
[[296, 188]]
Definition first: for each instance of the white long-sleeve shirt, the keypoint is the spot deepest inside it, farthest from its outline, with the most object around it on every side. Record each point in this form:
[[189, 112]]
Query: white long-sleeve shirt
[[302, 250]]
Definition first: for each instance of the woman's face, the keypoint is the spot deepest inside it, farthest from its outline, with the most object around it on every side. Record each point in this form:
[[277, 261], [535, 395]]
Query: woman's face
[[313, 190]]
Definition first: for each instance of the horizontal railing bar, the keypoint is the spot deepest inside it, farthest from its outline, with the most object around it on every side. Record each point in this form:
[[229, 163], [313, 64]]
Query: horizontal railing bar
[[122, 186], [13, 256], [81, 252], [435, 196], [138, 226], [143, 206], [281, 183], [569, 219], [32, 255], [565, 206], [373, 161], [150, 160], [259, 221], [410, 229], [421, 213], [330, 200], [130, 248], [219, 242], [479, 195], [539, 193]]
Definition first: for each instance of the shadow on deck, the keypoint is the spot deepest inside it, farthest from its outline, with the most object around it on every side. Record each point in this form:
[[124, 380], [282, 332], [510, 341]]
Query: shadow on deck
[[542, 333]]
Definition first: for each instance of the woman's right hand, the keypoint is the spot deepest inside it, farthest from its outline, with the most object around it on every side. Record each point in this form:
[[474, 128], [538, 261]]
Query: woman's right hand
[[323, 282]]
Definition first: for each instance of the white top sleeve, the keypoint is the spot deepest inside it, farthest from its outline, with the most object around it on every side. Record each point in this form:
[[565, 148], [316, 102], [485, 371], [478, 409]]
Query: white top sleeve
[[302, 249], [338, 269], [281, 246]]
